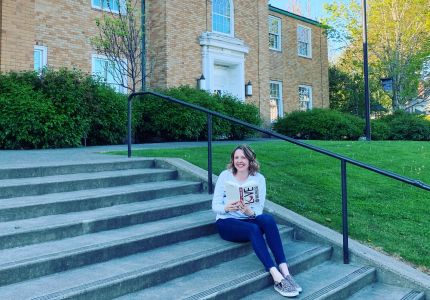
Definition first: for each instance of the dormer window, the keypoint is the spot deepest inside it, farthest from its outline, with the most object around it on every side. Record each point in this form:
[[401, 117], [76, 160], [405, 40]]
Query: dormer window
[[222, 16]]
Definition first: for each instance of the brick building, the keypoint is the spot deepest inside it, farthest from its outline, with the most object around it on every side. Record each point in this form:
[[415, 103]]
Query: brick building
[[230, 42]]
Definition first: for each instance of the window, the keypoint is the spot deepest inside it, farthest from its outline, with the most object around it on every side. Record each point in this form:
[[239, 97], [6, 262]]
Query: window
[[304, 41], [107, 72], [274, 33], [109, 5], [305, 97], [275, 100], [222, 16], [40, 57]]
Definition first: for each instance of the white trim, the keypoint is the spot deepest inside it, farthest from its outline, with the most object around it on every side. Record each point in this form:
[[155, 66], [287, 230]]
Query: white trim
[[231, 21], [279, 35], [95, 57], [309, 39], [280, 103], [223, 50], [310, 104], [44, 55]]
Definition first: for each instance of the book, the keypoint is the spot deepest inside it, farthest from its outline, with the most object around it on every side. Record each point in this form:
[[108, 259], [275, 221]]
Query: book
[[248, 192]]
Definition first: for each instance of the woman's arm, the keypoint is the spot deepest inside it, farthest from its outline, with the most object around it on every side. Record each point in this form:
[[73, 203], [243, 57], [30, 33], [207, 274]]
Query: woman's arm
[[218, 199]]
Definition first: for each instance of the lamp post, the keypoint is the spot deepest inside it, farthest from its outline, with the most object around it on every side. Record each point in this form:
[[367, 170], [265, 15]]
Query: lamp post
[[366, 71]]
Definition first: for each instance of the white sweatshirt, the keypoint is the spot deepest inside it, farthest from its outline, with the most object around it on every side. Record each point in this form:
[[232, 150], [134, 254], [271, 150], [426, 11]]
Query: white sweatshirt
[[219, 199]]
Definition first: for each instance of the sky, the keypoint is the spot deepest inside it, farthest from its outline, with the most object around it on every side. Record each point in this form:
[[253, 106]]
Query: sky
[[317, 10]]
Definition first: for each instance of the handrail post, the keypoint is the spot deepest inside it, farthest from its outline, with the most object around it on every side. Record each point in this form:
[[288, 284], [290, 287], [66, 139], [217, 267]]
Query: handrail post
[[210, 154], [129, 125], [344, 212]]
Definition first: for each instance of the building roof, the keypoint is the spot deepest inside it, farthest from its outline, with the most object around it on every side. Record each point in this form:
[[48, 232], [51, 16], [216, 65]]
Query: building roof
[[290, 14]]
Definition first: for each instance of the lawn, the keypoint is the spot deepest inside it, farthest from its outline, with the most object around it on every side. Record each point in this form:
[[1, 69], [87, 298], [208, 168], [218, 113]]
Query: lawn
[[383, 213]]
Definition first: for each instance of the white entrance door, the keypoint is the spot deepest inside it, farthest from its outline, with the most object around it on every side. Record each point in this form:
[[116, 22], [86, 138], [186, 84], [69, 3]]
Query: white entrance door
[[221, 79]]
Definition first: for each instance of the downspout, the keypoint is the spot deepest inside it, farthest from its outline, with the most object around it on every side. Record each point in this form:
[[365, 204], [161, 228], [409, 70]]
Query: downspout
[[143, 45]]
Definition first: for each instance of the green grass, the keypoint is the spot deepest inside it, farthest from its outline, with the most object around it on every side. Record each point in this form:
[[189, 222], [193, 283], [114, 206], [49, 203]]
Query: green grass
[[383, 213]]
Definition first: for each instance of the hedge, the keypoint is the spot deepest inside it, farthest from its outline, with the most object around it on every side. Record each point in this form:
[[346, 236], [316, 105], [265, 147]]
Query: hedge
[[57, 109], [326, 124], [180, 123]]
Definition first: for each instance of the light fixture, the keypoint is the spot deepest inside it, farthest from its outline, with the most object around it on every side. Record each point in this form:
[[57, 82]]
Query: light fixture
[[248, 89], [201, 82]]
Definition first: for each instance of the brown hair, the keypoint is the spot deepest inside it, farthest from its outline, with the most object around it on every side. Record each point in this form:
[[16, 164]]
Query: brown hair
[[254, 167]]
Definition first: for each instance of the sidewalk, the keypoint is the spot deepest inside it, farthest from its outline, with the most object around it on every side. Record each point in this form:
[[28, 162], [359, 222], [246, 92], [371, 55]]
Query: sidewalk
[[27, 158]]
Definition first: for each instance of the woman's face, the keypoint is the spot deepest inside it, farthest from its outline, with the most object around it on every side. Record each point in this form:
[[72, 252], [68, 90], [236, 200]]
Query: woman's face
[[240, 161]]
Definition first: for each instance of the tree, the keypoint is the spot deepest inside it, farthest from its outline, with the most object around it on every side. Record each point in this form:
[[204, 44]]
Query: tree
[[398, 40], [120, 40]]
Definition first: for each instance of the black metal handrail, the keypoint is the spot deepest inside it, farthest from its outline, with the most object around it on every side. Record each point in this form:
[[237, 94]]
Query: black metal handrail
[[343, 159]]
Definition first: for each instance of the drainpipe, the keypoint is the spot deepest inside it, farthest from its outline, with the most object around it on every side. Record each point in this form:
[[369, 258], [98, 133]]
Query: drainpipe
[[143, 45]]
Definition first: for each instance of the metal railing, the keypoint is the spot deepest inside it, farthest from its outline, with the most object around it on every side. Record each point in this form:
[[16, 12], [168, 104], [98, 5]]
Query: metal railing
[[343, 159]]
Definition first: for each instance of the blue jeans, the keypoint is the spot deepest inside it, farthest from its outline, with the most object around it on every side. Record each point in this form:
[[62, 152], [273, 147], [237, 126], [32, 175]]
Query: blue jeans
[[235, 230]]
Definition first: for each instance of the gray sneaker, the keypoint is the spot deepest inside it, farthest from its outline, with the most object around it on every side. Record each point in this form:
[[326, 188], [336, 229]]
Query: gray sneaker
[[291, 281], [285, 288]]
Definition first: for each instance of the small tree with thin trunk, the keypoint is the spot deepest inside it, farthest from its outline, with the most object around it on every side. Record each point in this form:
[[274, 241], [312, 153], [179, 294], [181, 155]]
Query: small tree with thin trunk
[[120, 40]]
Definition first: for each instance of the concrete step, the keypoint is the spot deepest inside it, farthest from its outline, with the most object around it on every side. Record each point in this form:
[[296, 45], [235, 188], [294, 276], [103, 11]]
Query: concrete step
[[129, 274], [23, 263], [60, 203], [235, 278], [51, 170], [56, 227], [11, 188], [377, 291], [329, 280]]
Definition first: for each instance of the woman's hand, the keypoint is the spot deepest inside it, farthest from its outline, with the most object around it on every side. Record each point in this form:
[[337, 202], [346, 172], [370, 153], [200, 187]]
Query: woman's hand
[[245, 209], [232, 206]]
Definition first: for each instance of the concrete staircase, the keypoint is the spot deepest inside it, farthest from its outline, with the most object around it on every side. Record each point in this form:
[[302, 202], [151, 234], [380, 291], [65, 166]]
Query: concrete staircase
[[144, 229]]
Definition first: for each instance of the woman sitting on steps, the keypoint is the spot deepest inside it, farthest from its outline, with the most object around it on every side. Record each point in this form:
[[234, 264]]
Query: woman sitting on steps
[[237, 222]]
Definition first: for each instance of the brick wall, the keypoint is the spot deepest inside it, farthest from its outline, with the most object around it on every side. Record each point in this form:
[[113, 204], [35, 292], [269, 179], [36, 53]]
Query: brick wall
[[172, 37], [17, 35], [293, 70]]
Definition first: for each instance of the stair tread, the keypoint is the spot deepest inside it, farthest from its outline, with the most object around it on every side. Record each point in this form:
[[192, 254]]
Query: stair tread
[[377, 291], [215, 279], [78, 177], [55, 221], [126, 267], [317, 281], [32, 253], [82, 194]]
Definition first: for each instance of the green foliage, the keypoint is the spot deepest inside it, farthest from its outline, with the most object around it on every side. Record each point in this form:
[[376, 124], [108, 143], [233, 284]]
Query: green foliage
[[58, 108], [180, 123], [242, 111], [406, 126], [398, 40], [346, 90], [319, 124]]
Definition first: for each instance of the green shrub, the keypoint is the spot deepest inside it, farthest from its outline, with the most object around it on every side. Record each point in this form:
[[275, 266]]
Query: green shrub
[[245, 112], [180, 123], [406, 126], [379, 130], [57, 109], [319, 124]]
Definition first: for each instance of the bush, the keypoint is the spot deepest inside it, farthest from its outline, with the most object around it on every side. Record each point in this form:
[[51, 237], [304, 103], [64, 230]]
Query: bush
[[320, 124], [57, 109], [406, 126], [180, 123]]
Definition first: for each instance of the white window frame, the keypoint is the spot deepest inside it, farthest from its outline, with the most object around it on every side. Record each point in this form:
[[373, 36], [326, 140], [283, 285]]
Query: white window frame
[[309, 39], [231, 20], [106, 8], [43, 55], [95, 57], [310, 96], [278, 35], [279, 101]]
